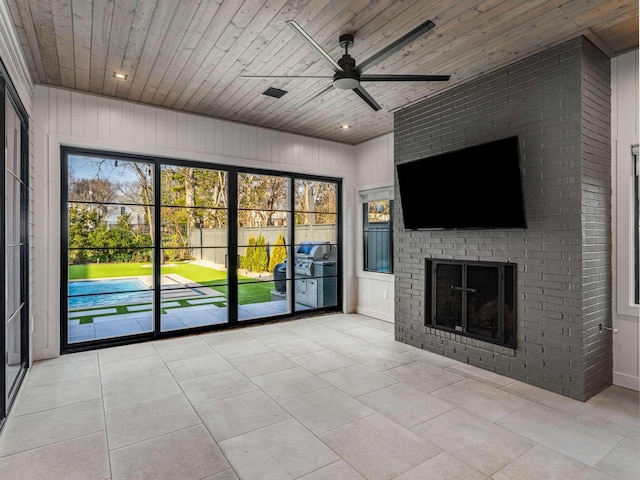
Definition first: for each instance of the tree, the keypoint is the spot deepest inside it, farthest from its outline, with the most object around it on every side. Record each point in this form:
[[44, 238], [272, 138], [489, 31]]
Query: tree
[[260, 257], [98, 190], [260, 197], [144, 189], [315, 202], [278, 253], [246, 262], [123, 242], [211, 192], [91, 240], [85, 225], [191, 198]]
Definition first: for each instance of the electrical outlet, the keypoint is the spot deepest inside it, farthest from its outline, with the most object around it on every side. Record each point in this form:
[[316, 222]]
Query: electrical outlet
[[385, 294]]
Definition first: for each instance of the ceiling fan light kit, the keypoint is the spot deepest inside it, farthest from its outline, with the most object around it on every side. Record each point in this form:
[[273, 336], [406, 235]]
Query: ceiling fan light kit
[[348, 76]]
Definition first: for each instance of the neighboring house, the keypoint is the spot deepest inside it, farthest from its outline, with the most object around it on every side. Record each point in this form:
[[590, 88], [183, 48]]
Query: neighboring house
[[136, 215]]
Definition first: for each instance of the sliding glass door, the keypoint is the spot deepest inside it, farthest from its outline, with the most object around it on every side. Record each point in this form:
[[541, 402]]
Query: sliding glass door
[[264, 216], [110, 247], [194, 233], [152, 247], [14, 283], [316, 246]]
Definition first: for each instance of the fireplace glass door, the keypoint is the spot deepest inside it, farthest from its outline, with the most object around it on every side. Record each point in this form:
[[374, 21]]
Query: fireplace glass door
[[475, 299], [448, 297], [483, 292]]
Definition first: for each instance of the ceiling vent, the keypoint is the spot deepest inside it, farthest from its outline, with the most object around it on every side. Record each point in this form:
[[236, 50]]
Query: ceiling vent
[[274, 92]]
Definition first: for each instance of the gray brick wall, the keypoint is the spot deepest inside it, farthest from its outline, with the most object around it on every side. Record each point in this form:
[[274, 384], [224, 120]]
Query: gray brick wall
[[558, 103], [596, 218]]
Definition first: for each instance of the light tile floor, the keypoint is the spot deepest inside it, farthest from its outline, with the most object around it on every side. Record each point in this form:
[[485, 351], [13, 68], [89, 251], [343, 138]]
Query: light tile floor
[[327, 398]]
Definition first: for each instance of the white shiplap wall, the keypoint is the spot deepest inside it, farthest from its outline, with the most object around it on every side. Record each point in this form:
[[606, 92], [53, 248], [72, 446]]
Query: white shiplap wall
[[624, 134], [374, 170], [80, 120], [15, 63], [13, 58]]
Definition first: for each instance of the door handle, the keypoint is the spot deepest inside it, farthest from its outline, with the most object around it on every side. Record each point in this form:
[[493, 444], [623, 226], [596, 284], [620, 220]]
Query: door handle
[[464, 289]]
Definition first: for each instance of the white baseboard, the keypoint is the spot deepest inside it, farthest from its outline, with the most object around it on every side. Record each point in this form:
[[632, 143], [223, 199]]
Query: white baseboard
[[626, 381], [375, 314], [45, 354]]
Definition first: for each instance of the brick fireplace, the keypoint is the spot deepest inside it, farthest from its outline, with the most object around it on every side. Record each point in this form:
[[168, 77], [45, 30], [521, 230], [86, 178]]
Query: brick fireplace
[[558, 103]]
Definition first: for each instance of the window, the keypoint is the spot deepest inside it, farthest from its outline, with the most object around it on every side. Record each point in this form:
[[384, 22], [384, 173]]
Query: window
[[377, 215]]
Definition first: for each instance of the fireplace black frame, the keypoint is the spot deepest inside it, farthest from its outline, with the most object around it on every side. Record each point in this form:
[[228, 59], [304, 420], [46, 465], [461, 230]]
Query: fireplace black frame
[[505, 334]]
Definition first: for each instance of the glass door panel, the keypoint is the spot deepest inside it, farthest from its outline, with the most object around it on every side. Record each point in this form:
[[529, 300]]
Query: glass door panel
[[14, 309], [193, 272], [15, 254], [449, 295], [110, 248], [483, 302], [264, 248], [316, 244], [148, 246], [108, 299]]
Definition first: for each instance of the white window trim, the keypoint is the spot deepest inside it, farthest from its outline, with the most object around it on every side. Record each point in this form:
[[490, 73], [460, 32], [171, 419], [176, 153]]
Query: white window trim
[[625, 234], [369, 193]]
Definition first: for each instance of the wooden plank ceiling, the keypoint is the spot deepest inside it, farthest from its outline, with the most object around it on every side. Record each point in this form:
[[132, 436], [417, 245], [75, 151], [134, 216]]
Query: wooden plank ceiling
[[188, 55]]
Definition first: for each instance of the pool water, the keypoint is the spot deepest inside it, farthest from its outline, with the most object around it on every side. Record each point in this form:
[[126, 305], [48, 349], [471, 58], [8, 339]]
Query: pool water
[[100, 293]]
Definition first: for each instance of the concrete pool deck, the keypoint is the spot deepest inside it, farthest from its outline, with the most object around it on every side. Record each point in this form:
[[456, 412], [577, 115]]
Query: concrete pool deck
[[185, 304], [174, 286], [175, 316], [177, 292]]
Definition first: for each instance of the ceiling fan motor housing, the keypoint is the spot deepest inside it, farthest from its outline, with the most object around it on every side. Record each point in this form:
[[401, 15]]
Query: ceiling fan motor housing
[[349, 78], [345, 40]]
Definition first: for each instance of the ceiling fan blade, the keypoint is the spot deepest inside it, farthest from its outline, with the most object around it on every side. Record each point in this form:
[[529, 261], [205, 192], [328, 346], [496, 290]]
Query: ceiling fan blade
[[397, 45], [286, 76], [363, 94], [404, 78], [314, 96], [312, 43]]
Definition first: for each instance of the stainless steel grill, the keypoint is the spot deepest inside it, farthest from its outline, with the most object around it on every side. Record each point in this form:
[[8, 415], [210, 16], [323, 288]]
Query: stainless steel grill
[[309, 252], [315, 271]]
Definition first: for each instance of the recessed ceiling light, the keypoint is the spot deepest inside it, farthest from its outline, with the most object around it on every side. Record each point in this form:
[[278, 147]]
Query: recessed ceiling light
[[120, 75], [345, 127]]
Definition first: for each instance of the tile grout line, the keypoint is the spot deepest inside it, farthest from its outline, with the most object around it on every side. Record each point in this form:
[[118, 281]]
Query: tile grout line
[[302, 424], [104, 413], [195, 411], [375, 412], [529, 403]]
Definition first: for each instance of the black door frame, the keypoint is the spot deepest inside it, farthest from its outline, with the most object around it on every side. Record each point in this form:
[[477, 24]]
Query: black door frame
[[232, 248], [7, 89]]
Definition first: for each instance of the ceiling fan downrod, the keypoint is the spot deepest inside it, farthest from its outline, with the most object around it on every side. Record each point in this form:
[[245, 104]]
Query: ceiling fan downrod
[[349, 78]]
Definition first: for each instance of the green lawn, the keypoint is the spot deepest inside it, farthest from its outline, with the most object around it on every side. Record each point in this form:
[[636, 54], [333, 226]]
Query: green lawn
[[251, 290], [107, 270]]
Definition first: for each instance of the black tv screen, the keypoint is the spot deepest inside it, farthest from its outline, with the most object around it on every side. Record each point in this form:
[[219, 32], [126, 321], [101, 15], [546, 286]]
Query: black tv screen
[[474, 188]]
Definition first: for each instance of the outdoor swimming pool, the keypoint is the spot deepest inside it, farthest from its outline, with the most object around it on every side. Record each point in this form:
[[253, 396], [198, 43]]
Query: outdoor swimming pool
[[100, 293]]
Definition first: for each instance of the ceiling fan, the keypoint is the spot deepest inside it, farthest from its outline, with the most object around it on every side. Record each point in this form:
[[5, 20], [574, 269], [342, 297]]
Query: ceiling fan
[[348, 76]]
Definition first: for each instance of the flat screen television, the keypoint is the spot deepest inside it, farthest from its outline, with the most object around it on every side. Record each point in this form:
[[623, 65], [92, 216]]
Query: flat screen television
[[473, 188]]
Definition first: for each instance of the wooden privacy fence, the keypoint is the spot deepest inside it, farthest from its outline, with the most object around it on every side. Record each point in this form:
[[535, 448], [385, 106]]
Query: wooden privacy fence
[[201, 239]]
